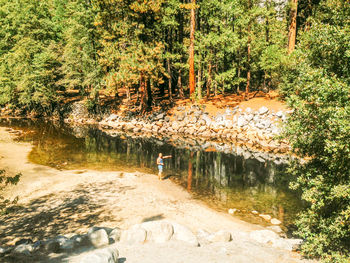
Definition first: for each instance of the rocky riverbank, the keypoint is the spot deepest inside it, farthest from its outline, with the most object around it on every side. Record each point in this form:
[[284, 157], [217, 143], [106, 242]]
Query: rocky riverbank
[[242, 131], [107, 245]]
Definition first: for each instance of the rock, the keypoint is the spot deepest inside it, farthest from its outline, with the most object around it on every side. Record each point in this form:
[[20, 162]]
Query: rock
[[220, 236], [160, 116], [279, 114], [249, 117], [266, 217], [231, 211], [248, 110], [275, 221], [23, 249], [80, 240], [276, 229], [99, 238], [134, 235], [103, 255], [182, 233], [180, 108], [241, 121], [255, 212], [167, 119], [264, 236], [52, 246], [115, 234], [158, 231], [263, 110], [3, 250], [25, 241], [287, 244], [175, 126]]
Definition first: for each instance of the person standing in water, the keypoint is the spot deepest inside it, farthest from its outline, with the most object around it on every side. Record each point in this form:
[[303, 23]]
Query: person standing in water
[[160, 163]]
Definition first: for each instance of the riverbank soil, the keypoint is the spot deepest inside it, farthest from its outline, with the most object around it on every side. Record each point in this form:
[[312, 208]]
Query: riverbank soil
[[54, 202]]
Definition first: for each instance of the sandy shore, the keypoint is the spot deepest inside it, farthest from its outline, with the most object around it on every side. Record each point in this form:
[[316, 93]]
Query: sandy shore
[[58, 202]]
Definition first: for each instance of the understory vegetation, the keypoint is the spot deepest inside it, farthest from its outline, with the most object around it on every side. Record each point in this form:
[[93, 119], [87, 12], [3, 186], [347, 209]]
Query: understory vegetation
[[158, 51]]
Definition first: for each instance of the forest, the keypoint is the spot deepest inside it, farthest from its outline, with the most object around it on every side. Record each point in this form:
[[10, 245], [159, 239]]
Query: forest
[[162, 50]]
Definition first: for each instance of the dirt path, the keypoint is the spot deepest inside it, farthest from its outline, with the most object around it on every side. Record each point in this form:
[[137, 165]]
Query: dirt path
[[54, 202]]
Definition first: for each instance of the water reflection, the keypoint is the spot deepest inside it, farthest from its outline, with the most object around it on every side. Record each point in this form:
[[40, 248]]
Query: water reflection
[[222, 180]]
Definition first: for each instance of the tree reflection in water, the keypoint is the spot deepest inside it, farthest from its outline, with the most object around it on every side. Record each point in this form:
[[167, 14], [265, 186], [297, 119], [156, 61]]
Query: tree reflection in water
[[222, 180]]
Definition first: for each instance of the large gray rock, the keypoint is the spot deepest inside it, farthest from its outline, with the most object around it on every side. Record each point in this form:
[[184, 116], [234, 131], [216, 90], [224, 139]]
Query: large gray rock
[[115, 234], [23, 249], [287, 244], [158, 231], [134, 235], [99, 238], [220, 236], [103, 255], [241, 121], [264, 236], [182, 233], [263, 110]]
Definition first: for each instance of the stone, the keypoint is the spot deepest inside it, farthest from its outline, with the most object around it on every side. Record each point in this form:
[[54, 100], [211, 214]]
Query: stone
[[254, 212], [220, 236], [231, 211], [264, 236], [248, 110], [25, 241], [265, 217], [275, 221], [67, 245], [249, 117], [80, 240], [263, 110], [158, 231], [241, 121], [180, 108], [103, 255], [115, 234], [276, 229], [182, 233], [167, 119], [134, 235], [160, 116], [52, 246], [175, 126], [279, 114], [287, 244], [99, 238], [23, 249]]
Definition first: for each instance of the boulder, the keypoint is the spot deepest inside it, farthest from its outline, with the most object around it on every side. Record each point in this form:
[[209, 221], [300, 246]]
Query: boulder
[[264, 236], [51, 246], [99, 238], [287, 244], [134, 235], [23, 249], [241, 121], [266, 217], [220, 236], [115, 234], [263, 110], [80, 240], [25, 241], [103, 255], [182, 233], [158, 231], [275, 221]]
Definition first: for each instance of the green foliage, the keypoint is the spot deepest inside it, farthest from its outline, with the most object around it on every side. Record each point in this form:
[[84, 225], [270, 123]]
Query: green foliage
[[317, 86], [5, 181]]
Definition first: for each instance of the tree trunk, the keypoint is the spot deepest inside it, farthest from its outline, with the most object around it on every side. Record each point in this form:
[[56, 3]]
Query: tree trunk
[[191, 51], [199, 85], [169, 81], [247, 88], [143, 103], [179, 84], [293, 26], [209, 80]]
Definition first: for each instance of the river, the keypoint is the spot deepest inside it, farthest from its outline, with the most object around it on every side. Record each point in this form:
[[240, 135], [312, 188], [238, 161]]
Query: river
[[222, 180]]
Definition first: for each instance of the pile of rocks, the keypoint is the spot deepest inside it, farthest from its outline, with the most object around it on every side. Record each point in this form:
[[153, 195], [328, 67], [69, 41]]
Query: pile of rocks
[[100, 244], [246, 131]]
